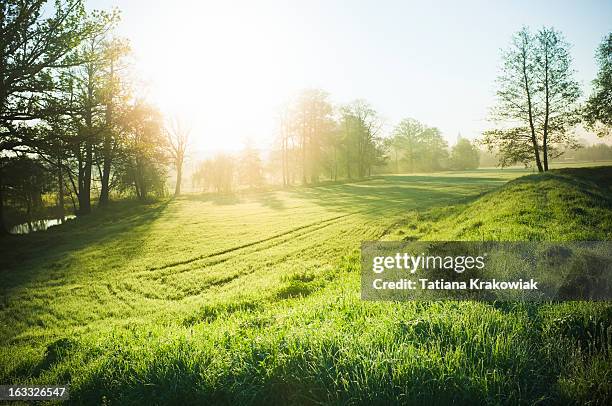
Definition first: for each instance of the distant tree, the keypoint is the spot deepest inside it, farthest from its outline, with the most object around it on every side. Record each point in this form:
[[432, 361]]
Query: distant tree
[[595, 152], [361, 126], [421, 148], [537, 99], [250, 167], [217, 173], [434, 150], [285, 138], [177, 137], [598, 111], [146, 157], [407, 135], [394, 146], [312, 122], [464, 155]]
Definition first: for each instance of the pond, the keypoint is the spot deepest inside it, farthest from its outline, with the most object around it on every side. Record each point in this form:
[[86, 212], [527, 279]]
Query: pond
[[38, 225]]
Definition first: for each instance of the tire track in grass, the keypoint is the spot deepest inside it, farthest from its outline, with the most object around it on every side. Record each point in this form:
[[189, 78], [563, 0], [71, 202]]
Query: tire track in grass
[[312, 248], [250, 244], [219, 281]]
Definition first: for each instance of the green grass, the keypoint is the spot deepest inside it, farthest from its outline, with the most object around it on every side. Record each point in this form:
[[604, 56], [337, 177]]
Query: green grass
[[254, 298]]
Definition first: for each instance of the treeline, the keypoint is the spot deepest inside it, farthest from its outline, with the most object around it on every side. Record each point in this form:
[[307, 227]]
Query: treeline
[[71, 119], [596, 152], [321, 142]]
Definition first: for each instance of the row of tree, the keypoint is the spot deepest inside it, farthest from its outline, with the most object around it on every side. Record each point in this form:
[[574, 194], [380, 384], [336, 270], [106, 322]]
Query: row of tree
[[318, 139], [345, 149], [70, 118]]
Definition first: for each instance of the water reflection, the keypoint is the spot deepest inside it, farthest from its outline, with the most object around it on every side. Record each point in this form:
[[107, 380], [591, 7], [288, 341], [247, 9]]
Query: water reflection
[[38, 225]]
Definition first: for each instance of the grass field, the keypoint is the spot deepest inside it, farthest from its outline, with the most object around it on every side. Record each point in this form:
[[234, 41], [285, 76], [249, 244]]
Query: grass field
[[254, 298]]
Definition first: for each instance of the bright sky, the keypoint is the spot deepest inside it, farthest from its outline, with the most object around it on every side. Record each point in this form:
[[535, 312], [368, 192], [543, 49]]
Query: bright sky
[[228, 65]]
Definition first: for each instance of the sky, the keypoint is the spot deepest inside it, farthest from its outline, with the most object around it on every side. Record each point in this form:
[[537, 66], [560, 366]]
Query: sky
[[226, 67]]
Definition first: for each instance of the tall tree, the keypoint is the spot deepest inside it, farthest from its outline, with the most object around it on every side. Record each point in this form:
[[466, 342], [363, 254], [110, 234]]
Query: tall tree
[[146, 156], [537, 100], [312, 121], [250, 168], [362, 125], [598, 111], [177, 137], [91, 103], [35, 37], [464, 155], [115, 93], [407, 136]]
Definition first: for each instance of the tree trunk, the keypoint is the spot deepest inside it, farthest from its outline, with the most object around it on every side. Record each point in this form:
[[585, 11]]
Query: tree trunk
[[85, 193], [304, 168], [3, 229], [546, 112], [534, 140], [179, 176], [60, 199], [106, 169], [107, 148]]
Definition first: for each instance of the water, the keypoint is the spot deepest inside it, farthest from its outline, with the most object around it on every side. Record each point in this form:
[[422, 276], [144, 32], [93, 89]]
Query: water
[[38, 225]]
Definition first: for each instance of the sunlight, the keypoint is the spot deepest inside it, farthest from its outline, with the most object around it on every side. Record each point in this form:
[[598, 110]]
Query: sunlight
[[226, 71], [305, 202]]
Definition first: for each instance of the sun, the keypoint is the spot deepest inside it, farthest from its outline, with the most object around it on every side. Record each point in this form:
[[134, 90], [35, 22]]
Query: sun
[[222, 70]]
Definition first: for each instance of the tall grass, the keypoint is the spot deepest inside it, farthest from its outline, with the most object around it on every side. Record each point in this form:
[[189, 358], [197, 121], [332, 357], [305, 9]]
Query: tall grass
[[257, 301]]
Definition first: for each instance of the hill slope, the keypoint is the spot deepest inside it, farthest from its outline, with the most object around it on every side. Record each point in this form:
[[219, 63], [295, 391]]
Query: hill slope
[[560, 205]]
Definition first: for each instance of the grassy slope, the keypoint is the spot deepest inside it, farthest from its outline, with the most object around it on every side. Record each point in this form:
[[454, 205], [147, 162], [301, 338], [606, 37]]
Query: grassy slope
[[561, 205], [164, 306]]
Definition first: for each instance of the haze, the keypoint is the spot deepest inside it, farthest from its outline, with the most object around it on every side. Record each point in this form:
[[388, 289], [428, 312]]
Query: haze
[[227, 66]]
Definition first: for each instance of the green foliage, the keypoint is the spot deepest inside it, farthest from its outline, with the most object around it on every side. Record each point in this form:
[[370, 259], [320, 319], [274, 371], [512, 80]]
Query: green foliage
[[217, 173], [250, 167], [537, 100], [255, 299], [417, 148], [598, 111], [464, 155], [26, 182], [145, 154]]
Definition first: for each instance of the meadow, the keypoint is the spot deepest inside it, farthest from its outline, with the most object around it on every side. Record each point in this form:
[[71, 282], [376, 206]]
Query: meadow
[[253, 298]]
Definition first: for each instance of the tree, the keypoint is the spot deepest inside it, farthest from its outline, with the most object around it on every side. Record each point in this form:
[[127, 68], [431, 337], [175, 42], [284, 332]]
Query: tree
[[598, 111], [464, 155], [537, 100], [27, 180], [115, 94], [361, 126], [311, 123], [250, 168], [32, 45], [145, 153], [177, 137], [420, 148], [91, 94], [216, 173], [407, 136]]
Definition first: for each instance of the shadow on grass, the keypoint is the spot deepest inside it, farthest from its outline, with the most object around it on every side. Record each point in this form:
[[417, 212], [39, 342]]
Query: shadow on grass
[[24, 257], [221, 199], [399, 192]]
